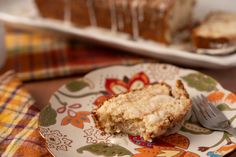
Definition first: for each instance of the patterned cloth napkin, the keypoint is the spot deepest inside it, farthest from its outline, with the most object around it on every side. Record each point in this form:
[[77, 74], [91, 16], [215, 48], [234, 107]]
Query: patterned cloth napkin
[[19, 135], [34, 55]]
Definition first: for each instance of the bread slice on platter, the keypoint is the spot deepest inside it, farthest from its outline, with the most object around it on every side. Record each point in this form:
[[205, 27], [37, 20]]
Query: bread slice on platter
[[218, 30], [149, 112]]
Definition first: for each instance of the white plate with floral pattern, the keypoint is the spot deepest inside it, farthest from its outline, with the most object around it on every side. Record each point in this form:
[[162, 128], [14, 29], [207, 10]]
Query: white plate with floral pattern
[[69, 130]]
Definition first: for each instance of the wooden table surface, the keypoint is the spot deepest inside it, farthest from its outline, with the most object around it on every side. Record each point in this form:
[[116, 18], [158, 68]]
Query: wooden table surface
[[42, 90]]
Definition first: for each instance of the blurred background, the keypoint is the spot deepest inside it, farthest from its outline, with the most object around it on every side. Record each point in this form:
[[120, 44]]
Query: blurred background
[[45, 53]]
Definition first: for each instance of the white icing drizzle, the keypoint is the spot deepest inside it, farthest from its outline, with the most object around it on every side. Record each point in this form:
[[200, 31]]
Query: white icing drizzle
[[113, 16], [125, 8], [125, 4], [120, 22], [141, 11], [134, 14], [153, 19], [91, 11], [162, 6], [67, 12]]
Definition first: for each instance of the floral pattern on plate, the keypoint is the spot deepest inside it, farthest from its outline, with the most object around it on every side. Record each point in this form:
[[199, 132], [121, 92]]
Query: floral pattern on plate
[[69, 110], [55, 139]]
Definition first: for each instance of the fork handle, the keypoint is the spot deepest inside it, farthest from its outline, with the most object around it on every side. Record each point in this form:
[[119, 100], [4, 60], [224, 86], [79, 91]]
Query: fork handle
[[232, 131]]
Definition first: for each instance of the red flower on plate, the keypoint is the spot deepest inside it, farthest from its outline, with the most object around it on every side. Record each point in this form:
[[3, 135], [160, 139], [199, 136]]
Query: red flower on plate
[[173, 140], [116, 86], [174, 145], [76, 119]]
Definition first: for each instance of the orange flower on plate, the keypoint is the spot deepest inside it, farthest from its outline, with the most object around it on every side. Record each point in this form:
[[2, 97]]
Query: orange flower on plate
[[231, 98], [157, 151], [220, 96], [116, 86], [76, 119], [177, 140], [148, 152], [190, 154], [216, 96], [223, 101]]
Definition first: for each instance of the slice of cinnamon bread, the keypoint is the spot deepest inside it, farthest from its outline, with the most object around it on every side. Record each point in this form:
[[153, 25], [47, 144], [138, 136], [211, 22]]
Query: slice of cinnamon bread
[[148, 112], [217, 31]]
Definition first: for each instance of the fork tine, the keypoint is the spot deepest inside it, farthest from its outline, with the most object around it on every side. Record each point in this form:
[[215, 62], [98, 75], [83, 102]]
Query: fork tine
[[202, 105], [206, 105], [198, 108], [197, 112], [220, 115], [217, 111]]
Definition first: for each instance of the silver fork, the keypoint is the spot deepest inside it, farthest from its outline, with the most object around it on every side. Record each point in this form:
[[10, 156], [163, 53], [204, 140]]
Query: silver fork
[[210, 116]]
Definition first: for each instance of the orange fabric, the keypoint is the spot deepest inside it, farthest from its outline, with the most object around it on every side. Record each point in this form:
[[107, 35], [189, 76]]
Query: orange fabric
[[18, 121]]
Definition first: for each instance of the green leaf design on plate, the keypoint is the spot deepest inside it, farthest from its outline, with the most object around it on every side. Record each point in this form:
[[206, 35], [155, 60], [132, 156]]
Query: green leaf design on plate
[[200, 82], [104, 149], [195, 129], [76, 85], [223, 107], [47, 116]]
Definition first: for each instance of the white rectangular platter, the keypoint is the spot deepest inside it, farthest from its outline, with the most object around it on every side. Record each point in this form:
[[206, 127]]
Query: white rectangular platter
[[24, 13]]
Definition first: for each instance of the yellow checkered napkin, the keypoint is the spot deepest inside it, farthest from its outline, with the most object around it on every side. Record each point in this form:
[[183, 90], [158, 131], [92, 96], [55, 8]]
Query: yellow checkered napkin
[[19, 134]]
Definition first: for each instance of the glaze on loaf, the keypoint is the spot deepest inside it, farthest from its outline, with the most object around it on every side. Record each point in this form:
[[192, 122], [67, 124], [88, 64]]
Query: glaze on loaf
[[157, 20]]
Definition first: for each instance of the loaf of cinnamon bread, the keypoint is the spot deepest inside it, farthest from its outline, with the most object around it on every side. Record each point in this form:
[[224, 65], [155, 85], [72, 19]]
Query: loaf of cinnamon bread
[[157, 20]]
